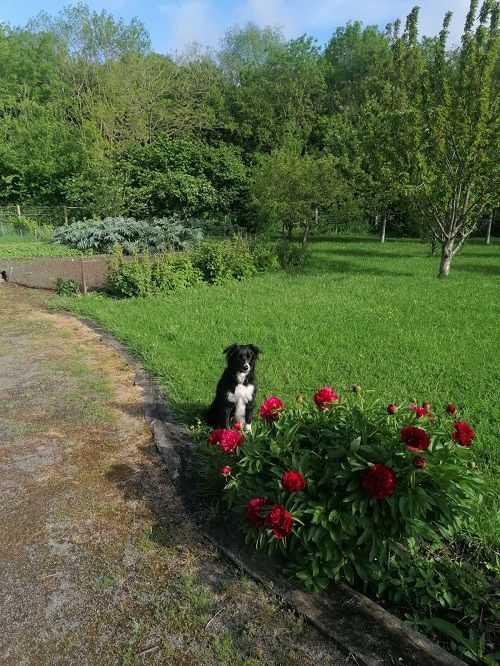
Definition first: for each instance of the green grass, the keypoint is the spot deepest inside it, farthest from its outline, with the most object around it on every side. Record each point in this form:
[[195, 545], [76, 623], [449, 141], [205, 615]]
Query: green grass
[[24, 249], [362, 312]]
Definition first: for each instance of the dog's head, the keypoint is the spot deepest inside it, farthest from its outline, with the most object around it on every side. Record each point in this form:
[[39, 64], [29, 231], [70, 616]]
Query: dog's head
[[241, 358]]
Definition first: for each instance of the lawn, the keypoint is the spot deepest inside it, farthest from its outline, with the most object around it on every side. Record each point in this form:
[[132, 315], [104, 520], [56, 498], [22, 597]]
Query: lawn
[[25, 249], [361, 312]]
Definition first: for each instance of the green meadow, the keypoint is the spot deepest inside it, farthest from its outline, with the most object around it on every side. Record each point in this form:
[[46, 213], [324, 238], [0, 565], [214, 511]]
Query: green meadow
[[361, 312]]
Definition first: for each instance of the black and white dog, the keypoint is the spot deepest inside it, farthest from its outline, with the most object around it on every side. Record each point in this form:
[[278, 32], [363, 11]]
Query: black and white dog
[[235, 394]]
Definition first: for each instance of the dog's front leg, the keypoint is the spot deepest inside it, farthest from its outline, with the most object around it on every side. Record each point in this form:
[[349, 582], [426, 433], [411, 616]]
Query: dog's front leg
[[248, 417], [227, 417]]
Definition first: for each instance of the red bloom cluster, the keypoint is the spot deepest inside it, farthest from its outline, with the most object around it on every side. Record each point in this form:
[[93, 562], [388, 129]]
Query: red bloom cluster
[[228, 440], [293, 481], [415, 438], [225, 471], [280, 521], [463, 433], [419, 462], [324, 397], [451, 409], [379, 481], [253, 509], [421, 411], [271, 408]]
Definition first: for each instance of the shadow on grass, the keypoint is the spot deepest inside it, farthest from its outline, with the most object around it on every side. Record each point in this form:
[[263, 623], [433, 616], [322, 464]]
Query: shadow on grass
[[348, 268], [485, 269], [367, 253]]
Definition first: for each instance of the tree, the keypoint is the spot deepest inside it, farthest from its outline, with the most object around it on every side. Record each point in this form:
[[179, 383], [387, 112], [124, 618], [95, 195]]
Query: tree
[[451, 127], [290, 190]]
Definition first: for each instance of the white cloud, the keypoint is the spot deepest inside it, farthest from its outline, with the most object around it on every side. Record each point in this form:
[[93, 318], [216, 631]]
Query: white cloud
[[205, 22], [191, 21]]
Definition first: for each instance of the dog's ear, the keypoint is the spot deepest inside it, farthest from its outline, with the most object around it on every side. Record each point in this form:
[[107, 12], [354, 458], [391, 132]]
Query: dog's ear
[[229, 350], [255, 350]]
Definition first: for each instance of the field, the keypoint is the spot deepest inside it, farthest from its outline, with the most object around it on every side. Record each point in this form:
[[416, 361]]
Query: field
[[361, 312]]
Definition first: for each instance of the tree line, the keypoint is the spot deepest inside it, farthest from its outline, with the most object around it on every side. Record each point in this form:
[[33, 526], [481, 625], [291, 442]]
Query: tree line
[[380, 128]]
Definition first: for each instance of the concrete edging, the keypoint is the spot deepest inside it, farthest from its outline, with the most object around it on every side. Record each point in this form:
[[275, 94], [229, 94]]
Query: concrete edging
[[358, 626]]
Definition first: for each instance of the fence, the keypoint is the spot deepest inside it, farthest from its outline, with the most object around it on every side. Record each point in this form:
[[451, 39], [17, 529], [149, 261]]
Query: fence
[[54, 215], [42, 273]]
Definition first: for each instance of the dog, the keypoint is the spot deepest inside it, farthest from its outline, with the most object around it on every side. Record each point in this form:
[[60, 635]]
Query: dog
[[235, 394]]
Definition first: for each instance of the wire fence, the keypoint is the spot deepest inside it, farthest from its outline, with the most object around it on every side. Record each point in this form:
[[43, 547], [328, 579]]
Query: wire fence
[[42, 215]]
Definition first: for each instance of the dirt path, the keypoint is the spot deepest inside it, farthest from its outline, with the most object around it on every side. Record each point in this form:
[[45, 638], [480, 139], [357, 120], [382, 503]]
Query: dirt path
[[98, 562]]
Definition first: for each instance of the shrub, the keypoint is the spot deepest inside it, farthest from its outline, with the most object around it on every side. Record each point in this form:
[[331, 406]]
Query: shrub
[[291, 255], [265, 257], [67, 287], [224, 260], [129, 277], [371, 492], [142, 275], [131, 235]]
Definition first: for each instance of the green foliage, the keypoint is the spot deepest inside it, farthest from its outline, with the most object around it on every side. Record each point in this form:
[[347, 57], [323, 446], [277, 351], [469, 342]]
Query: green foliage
[[341, 531], [225, 260], [292, 255], [103, 235], [142, 275], [265, 256], [66, 287], [22, 248]]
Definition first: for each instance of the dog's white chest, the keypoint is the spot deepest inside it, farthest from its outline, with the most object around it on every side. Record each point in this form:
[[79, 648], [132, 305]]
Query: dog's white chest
[[242, 394]]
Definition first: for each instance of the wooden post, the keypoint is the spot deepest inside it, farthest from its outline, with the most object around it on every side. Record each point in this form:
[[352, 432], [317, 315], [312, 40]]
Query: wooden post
[[65, 215], [84, 276], [18, 210]]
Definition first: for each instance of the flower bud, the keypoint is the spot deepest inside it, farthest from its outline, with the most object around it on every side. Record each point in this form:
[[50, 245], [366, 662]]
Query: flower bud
[[472, 464], [419, 462], [237, 425], [392, 408], [299, 398], [451, 409], [225, 471], [355, 388]]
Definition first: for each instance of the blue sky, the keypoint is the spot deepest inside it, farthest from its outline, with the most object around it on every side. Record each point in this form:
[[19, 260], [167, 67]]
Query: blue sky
[[173, 24]]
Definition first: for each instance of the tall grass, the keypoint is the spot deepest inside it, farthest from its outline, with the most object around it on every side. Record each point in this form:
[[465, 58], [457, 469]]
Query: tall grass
[[362, 312]]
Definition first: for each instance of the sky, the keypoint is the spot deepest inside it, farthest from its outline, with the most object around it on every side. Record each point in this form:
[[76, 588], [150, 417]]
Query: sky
[[174, 24]]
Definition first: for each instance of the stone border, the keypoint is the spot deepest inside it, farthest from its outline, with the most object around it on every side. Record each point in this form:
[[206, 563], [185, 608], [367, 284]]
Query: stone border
[[359, 627]]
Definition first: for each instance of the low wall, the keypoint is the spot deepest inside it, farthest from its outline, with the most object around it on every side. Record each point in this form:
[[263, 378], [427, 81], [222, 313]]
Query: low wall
[[42, 272]]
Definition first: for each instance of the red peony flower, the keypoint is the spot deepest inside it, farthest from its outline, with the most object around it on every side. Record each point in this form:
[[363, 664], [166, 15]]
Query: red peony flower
[[214, 437], [237, 425], [416, 439], [420, 411], [463, 433], [225, 471], [419, 462], [280, 521], [293, 481], [451, 409], [324, 397], [271, 408], [253, 509], [392, 408], [230, 440], [379, 481]]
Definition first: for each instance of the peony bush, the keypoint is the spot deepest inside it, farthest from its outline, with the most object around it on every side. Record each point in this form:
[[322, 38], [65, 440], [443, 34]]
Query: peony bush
[[346, 488]]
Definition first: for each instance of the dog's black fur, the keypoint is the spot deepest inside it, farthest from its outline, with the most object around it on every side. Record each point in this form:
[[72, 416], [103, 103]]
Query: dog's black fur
[[235, 394]]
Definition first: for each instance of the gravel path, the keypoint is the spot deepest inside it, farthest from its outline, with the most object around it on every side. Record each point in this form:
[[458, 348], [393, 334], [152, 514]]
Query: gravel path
[[98, 562]]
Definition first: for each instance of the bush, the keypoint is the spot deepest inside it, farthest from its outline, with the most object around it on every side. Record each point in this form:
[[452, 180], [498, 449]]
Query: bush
[[291, 255], [355, 491], [265, 257], [142, 275], [101, 236], [224, 260], [67, 287]]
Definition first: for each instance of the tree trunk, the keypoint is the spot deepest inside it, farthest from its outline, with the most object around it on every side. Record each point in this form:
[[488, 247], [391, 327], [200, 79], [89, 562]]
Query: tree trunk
[[305, 235], [446, 257], [290, 229], [382, 230], [488, 228]]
